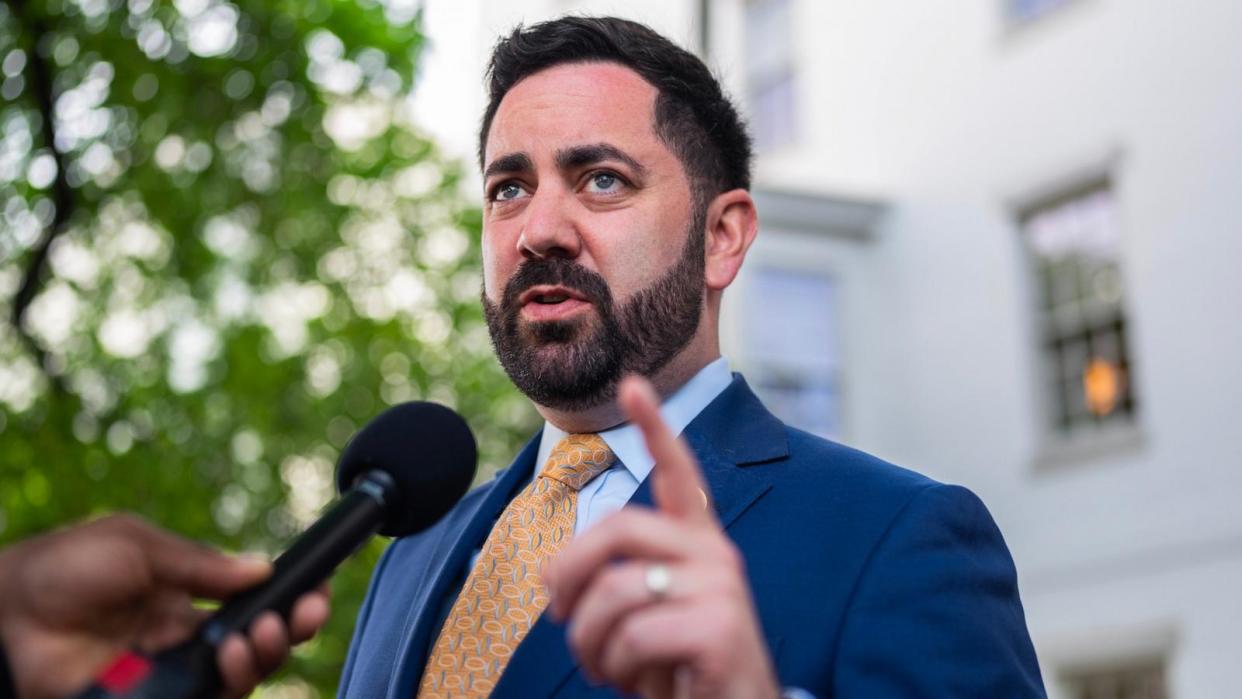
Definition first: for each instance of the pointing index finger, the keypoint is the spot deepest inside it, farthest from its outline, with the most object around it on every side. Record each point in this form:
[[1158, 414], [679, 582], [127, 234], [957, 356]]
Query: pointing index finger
[[678, 485]]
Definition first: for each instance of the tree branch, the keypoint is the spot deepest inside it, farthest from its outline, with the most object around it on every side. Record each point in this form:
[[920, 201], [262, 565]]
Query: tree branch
[[36, 271]]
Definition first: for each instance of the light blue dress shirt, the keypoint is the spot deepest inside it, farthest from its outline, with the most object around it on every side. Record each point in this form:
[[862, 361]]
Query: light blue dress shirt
[[610, 490]]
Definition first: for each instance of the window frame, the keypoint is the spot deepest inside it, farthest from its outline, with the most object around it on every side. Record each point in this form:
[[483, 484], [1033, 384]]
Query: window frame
[[1055, 449]]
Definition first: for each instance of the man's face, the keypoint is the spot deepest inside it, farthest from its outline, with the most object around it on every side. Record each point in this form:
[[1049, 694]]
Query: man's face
[[592, 257]]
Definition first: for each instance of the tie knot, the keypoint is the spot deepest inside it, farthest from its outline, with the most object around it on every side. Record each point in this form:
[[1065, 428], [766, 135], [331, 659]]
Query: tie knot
[[578, 458]]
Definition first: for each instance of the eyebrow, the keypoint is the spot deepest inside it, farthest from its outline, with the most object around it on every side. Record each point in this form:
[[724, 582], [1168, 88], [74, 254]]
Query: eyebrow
[[581, 156], [508, 164]]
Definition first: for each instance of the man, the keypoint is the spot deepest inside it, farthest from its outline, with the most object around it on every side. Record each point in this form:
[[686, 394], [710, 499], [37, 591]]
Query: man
[[73, 600], [616, 213]]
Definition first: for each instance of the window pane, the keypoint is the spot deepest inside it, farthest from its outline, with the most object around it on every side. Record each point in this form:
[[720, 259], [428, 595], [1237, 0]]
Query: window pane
[[1077, 247], [1024, 10], [808, 403], [772, 107], [791, 342], [791, 319], [1084, 225], [767, 38], [770, 72]]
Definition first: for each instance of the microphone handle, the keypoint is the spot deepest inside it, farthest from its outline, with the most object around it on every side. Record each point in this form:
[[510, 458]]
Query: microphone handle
[[188, 670], [331, 539]]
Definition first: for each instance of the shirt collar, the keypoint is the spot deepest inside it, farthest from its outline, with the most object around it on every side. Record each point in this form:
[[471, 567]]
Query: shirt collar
[[626, 441]]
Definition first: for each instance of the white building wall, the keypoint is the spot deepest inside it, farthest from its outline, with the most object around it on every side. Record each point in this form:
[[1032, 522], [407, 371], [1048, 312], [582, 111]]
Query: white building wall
[[957, 119]]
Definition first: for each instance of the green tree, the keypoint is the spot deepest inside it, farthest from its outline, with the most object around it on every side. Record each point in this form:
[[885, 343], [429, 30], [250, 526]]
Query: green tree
[[224, 247]]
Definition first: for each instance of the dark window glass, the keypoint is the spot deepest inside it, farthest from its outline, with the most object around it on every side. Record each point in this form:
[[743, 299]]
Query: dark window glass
[[1141, 680], [1076, 244]]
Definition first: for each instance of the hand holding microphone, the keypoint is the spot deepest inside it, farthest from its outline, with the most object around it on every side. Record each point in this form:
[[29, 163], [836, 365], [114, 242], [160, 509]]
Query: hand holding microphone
[[71, 600]]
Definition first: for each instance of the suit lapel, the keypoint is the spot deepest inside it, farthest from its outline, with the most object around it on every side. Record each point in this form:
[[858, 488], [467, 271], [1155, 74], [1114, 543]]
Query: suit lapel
[[735, 430], [450, 557], [732, 432]]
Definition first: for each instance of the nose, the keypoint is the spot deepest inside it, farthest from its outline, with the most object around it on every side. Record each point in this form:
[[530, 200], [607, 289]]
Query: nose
[[548, 230]]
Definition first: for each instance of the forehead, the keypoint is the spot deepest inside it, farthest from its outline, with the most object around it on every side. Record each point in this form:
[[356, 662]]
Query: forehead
[[573, 104]]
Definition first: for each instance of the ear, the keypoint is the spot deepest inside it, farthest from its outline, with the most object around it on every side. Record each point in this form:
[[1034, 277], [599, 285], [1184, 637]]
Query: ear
[[731, 227]]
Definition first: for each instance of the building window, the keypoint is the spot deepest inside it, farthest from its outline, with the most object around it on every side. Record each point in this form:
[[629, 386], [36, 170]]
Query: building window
[[1076, 244], [1022, 11], [770, 83], [791, 347], [1144, 680]]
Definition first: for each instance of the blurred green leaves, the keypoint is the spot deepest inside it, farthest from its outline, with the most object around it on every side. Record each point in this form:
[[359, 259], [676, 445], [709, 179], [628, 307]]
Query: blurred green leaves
[[228, 247]]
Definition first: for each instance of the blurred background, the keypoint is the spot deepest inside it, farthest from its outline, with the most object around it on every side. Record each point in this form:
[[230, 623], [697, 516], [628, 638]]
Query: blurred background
[[1002, 232]]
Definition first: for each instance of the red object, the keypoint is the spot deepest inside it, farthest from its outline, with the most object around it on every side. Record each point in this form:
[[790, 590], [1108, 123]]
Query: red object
[[124, 673]]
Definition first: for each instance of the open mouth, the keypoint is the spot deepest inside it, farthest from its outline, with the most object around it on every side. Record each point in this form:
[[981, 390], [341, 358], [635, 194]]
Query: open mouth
[[549, 295], [546, 302]]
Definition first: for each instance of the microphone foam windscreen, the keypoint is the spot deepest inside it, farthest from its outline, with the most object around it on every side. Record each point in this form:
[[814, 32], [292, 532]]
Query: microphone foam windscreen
[[428, 451]]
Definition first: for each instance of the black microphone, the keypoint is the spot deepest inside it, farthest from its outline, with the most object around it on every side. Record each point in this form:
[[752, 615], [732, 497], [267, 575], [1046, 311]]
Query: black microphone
[[398, 475]]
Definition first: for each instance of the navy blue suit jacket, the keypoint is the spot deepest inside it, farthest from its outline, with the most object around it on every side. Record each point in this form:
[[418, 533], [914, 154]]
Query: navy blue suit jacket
[[870, 581]]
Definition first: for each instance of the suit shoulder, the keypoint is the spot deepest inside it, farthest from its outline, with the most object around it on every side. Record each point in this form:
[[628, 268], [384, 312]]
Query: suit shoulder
[[832, 464], [873, 495]]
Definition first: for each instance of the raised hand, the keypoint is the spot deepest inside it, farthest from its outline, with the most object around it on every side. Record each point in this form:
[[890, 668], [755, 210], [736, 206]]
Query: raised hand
[[657, 600]]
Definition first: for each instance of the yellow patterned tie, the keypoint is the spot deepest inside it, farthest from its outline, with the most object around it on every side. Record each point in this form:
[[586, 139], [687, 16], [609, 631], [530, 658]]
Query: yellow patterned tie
[[504, 594]]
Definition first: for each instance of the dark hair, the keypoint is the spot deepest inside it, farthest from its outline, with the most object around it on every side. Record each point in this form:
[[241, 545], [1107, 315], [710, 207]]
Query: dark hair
[[692, 116]]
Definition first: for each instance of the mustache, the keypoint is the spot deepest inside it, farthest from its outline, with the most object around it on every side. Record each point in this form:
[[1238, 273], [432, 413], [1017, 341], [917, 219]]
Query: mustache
[[556, 271]]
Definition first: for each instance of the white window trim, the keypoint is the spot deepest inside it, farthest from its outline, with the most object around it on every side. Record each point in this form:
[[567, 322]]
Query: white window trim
[[804, 232], [1054, 451]]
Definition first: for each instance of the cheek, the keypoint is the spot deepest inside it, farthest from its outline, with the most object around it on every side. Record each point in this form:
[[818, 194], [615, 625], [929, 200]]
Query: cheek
[[625, 282], [637, 266], [655, 236], [496, 265], [490, 282]]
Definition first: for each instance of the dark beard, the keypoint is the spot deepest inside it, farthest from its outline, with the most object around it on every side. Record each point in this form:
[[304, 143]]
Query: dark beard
[[576, 364]]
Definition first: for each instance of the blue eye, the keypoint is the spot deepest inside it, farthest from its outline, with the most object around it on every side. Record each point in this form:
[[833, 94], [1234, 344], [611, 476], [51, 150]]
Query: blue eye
[[507, 191], [604, 182]]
